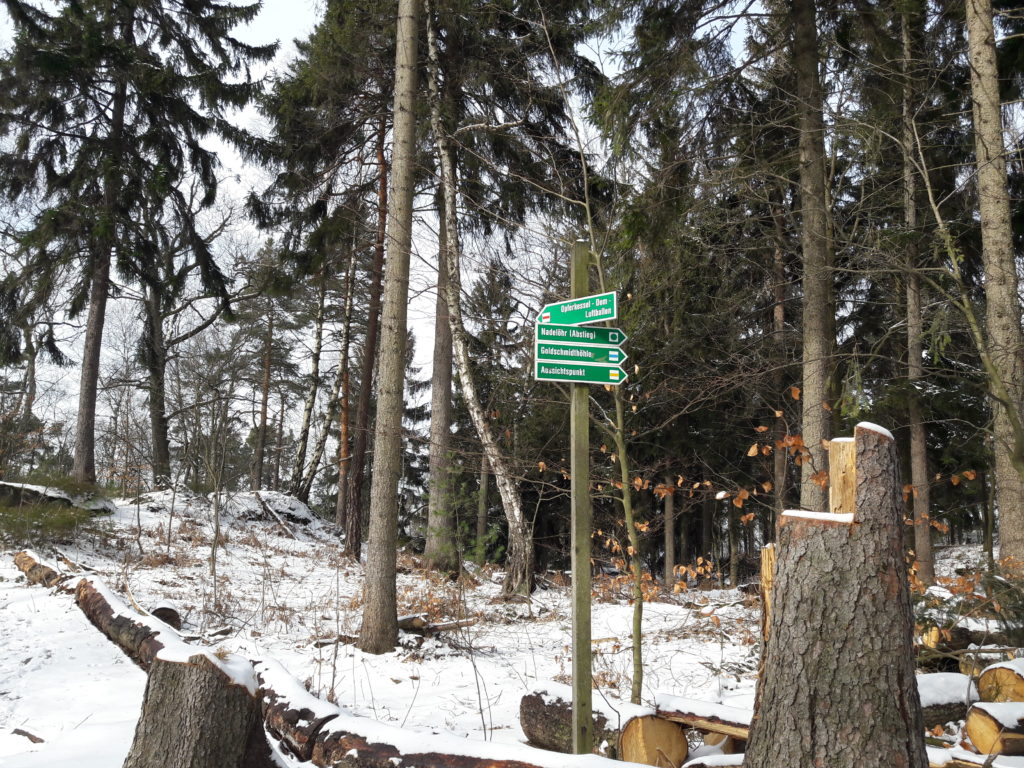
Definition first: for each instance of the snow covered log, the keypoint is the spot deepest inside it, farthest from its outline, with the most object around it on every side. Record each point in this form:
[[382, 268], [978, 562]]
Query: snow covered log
[[705, 715], [996, 728], [839, 654], [945, 697], [36, 571], [1003, 681], [138, 640], [545, 715]]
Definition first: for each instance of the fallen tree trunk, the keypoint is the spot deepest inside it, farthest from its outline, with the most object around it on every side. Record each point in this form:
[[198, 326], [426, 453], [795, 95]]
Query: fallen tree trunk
[[36, 572], [191, 690], [545, 715], [945, 697], [705, 715], [996, 728]]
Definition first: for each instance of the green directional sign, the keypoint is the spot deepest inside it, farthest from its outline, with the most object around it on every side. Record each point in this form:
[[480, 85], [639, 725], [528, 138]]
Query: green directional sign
[[588, 309], [579, 353], [579, 373], [579, 334]]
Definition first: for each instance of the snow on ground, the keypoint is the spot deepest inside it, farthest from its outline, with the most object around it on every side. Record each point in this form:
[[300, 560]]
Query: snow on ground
[[61, 681], [283, 592]]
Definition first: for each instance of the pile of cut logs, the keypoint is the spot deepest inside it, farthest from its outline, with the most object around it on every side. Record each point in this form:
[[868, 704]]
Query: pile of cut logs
[[995, 725], [658, 736]]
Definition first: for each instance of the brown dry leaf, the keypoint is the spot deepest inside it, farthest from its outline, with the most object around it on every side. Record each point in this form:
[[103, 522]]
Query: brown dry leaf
[[716, 621], [826, 406], [970, 474], [541, 466], [638, 483], [955, 479], [738, 502], [614, 457], [767, 486], [608, 387], [604, 448], [630, 550], [766, 450], [617, 484], [745, 519], [907, 490], [778, 414], [634, 409], [821, 478], [761, 428], [752, 450], [679, 481], [743, 493], [794, 392]]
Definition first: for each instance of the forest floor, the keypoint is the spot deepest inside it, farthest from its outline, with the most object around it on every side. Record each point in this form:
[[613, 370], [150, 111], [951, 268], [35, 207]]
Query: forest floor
[[283, 591]]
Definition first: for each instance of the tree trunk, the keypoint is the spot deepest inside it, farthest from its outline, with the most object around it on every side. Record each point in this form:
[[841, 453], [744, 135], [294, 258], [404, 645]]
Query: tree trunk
[[734, 546], [84, 468], [440, 552], [182, 703], [354, 497], [707, 528], [519, 555], [156, 365], [1002, 316], [379, 631], [919, 479], [670, 533], [302, 441], [817, 277], [481, 514], [261, 430], [779, 461], [345, 410], [840, 649]]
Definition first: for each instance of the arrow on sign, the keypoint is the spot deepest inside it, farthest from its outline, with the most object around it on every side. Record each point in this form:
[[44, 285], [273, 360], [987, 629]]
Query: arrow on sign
[[589, 309], [579, 373], [579, 353], [579, 334]]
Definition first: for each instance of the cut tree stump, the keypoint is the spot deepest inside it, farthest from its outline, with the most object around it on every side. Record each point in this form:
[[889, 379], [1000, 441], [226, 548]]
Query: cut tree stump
[[996, 728], [1003, 681], [652, 740], [196, 716], [839, 654]]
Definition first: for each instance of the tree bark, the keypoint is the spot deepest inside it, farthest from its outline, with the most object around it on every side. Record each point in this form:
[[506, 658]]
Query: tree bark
[[345, 410], [261, 429], [481, 514], [1002, 316], [354, 497], [670, 533], [156, 368], [440, 552], [181, 704], [817, 272], [519, 555], [379, 631], [84, 467], [302, 440], [919, 479], [840, 653]]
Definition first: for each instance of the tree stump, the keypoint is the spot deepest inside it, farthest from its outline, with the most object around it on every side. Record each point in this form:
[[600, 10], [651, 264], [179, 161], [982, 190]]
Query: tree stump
[[195, 716], [650, 740], [839, 688]]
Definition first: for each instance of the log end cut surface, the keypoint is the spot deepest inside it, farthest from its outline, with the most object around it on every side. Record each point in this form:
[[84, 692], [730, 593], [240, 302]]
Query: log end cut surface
[[652, 740], [996, 729]]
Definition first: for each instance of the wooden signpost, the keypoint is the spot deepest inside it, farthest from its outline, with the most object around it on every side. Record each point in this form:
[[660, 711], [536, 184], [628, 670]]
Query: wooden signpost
[[566, 351]]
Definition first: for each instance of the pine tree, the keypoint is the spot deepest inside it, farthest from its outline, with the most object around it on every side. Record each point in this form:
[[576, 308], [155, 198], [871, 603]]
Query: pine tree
[[106, 105]]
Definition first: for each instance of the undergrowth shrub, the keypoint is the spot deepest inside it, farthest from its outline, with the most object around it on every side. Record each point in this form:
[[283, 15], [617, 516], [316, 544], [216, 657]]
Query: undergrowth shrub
[[39, 524]]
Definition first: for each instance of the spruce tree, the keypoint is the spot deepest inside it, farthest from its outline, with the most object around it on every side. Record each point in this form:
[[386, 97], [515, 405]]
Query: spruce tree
[[105, 106]]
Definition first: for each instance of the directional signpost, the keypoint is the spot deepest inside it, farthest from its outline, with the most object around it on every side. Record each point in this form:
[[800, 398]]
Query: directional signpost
[[587, 309], [566, 350]]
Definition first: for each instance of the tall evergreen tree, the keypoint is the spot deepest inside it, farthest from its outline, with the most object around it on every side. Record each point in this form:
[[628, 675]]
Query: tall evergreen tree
[[106, 104]]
